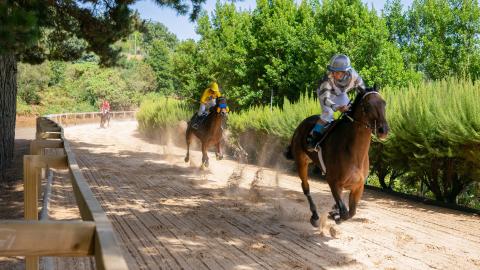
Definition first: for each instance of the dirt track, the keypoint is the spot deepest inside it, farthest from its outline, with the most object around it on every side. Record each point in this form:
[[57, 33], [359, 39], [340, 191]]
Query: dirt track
[[169, 215]]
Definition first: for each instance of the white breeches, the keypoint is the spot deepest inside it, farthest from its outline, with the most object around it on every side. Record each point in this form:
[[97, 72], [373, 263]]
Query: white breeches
[[205, 106], [327, 112]]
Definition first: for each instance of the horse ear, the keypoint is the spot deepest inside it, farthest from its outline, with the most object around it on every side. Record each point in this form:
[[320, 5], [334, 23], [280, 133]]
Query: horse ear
[[376, 88], [362, 91]]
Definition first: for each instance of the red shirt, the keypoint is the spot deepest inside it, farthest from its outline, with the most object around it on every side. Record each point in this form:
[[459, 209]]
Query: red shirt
[[105, 105]]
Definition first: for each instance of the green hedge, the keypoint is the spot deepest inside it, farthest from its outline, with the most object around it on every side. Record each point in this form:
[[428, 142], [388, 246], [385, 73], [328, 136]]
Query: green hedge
[[435, 136], [157, 111]]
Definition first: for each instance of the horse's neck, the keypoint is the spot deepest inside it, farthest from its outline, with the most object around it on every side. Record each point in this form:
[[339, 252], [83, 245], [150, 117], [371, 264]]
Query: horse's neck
[[351, 137], [360, 135], [215, 123]]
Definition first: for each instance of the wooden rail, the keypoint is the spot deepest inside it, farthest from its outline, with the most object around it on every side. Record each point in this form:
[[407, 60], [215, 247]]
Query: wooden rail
[[92, 236], [76, 118]]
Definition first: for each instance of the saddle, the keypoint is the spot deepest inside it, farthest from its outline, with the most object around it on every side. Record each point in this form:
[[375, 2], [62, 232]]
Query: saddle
[[327, 131], [197, 120]]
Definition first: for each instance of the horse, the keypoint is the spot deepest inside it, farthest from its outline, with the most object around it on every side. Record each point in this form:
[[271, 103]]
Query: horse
[[209, 131], [344, 148], [105, 119]]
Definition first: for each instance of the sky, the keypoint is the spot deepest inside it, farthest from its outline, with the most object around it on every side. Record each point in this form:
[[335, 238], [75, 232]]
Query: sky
[[184, 29]]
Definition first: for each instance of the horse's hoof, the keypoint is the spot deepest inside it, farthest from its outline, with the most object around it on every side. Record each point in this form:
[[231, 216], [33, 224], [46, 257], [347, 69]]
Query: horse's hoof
[[315, 222], [335, 216], [186, 159], [219, 157]]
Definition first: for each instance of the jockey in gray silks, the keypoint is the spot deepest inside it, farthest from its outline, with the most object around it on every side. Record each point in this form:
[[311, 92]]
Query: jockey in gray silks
[[332, 94]]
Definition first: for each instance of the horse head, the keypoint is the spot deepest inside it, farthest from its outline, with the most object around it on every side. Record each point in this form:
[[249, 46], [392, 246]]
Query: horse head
[[368, 108], [221, 106]]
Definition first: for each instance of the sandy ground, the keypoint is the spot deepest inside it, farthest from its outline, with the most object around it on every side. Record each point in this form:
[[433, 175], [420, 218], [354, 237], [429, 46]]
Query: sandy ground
[[170, 215]]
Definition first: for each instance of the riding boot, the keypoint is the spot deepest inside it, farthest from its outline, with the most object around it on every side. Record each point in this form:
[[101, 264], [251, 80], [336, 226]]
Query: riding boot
[[312, 141], [195, 121], [198, 120]]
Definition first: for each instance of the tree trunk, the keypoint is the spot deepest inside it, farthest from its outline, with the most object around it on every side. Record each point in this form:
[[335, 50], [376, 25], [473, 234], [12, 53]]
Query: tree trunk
[[8, 105]]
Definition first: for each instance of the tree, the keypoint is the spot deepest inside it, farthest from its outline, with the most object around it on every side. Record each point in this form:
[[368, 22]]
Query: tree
[[439, 38], [185, 70], [155, 30], [32, 31], [159, 58]]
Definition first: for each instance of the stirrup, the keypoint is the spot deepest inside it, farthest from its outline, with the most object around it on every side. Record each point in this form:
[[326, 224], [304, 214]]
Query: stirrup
[[317, 147]]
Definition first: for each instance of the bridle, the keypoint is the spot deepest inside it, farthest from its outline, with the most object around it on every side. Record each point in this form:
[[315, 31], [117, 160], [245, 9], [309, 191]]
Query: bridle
[[367, 125]]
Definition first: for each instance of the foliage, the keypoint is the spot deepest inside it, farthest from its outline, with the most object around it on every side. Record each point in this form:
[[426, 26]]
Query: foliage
[[157, 31], [32, 81], [158, 111], [435, 135], [55, 87], [184, 67], [439, 38], [278, 121], [281, 50], [159, 58]]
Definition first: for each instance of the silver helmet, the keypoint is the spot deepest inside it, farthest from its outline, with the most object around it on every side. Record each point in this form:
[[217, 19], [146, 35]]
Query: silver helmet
[[339, 62]]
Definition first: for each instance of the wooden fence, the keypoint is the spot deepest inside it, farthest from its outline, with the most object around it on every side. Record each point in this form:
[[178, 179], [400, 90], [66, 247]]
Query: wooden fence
[[77, 118], [32, 238]]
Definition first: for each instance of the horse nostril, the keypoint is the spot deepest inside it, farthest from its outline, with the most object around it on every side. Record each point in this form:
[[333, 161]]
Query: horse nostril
[[383, 129]]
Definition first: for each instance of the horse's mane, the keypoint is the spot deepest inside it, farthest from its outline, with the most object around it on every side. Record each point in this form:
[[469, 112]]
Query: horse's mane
[[358, 99]]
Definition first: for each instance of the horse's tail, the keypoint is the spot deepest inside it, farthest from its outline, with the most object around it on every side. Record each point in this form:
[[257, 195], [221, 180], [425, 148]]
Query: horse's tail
[[288, 152]]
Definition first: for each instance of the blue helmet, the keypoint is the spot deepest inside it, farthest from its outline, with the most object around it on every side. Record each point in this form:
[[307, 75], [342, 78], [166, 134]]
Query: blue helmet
[[339, 62]]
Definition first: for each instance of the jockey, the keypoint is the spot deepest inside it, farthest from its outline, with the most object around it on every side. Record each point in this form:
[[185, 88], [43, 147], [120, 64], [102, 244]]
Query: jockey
[[105, 108], [208, 99], [332, 94]]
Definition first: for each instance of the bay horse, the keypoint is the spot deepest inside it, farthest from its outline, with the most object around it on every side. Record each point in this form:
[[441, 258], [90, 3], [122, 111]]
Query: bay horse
[[209, 131], [344, 150], [105, 119]]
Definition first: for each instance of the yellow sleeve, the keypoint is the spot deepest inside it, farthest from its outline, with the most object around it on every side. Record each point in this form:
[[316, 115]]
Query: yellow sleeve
[[218, 94], [205, 96]]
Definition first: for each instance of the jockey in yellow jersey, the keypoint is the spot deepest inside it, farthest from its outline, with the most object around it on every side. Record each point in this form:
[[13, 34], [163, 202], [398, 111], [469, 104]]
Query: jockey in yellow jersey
[[207, 100]]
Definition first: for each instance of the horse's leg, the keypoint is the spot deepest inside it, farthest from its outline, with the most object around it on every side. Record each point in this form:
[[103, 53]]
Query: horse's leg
[[354, 198], [302, 168], [188, 138], [204, 154], [337, 196], [219, 154]]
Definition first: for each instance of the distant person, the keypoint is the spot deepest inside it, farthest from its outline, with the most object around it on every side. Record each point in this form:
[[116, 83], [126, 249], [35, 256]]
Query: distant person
[[208, 99], [332, 94], [105, 108]]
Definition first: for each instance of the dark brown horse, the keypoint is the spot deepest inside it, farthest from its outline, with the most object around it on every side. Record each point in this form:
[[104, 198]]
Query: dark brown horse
[[210, 131], [105, 119], [344, 152]]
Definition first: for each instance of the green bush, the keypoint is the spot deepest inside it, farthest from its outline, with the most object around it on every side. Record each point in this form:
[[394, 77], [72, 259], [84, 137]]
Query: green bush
[[276, 121], [57, 87], [435, 135], [157, 111]]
